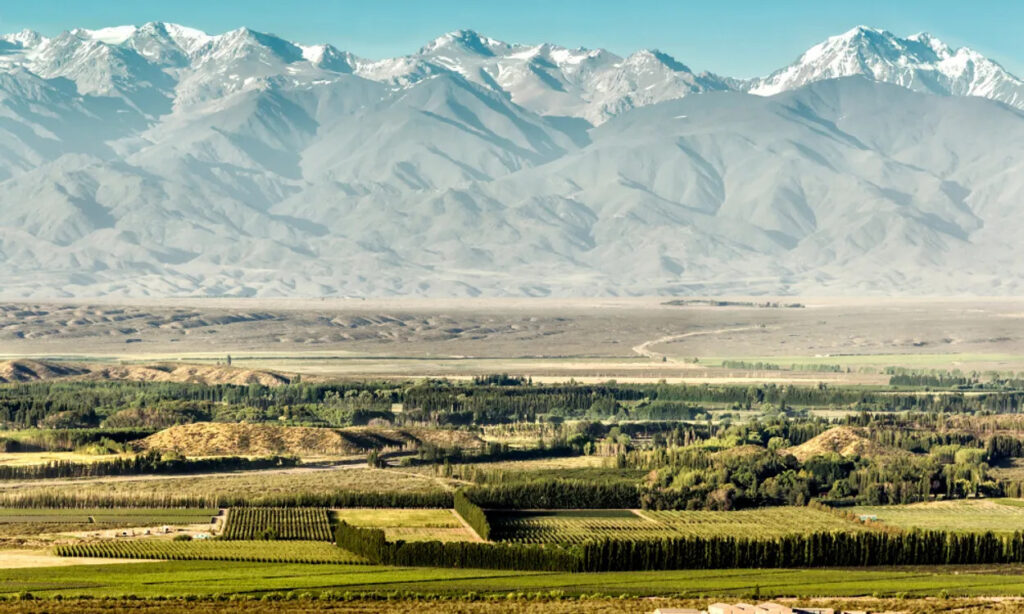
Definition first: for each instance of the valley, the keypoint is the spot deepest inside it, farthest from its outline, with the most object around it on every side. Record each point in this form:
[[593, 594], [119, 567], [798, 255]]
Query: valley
[[626, 449], [359, 318]]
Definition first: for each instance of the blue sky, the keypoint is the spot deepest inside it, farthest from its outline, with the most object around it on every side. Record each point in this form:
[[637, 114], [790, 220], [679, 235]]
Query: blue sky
[[735, 38]]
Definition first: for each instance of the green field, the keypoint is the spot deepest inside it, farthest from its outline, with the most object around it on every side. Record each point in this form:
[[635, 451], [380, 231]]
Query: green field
[[213, 577], [578, 526], [969, 515], [278, 523], [214, 550], [408, 524], [122, 517]]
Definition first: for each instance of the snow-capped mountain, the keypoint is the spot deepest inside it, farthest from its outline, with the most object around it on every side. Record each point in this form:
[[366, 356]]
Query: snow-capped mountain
[[189, 66], [920, 62], [161, 160], [26, 39], [547, 79]]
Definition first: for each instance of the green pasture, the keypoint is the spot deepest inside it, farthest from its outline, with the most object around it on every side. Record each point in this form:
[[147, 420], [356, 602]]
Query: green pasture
[[208, 577]]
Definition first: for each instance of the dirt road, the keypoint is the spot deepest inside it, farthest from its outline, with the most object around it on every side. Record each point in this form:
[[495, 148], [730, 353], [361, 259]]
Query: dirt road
[[644, 349]]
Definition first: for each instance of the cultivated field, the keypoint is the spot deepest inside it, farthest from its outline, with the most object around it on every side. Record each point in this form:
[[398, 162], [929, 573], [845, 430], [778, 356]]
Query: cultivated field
[[278, 523], [968, 515], [106, 516], [215, 577], [409, 524], [512, 603], [255, 485], [313, 552], [578, 526]]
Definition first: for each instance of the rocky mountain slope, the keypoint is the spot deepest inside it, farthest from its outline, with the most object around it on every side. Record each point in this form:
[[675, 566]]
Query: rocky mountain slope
[[919, 62], [163, 161]]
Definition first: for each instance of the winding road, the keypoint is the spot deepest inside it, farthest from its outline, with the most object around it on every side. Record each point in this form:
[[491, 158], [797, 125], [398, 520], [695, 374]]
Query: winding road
[[644, 349]]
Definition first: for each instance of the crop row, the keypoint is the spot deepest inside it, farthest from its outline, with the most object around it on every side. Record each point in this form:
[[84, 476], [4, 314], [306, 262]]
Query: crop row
[[214, 550], [579, 528], [278, 523], [764, 522], [545, 527]]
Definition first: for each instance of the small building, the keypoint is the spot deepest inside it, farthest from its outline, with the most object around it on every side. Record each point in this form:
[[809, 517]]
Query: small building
[[720, 608], [773, 608]]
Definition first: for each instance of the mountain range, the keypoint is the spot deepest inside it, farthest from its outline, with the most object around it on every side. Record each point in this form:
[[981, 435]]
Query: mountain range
[[162, 161]]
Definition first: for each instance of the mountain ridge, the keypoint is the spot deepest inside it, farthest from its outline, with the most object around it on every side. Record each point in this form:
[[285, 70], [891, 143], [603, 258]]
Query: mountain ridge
[[169, 162], [920, 62], [515, 69]]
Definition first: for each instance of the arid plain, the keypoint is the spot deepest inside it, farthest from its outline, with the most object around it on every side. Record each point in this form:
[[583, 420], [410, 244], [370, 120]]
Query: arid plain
[[549, 339]]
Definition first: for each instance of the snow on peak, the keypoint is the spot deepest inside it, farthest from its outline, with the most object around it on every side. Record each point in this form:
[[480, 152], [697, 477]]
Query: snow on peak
[[575, 56], [313, 53], [244, 42], [593, 84], [859, 32], [920, 62], [26, 39], [658, 58], [112, 36], [465, 41], [328, 57], [189, 39]]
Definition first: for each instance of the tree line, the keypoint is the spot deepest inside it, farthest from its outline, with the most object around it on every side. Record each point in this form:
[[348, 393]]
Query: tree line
[[819, 549], [489, 400], [374, 546], [147, 463], [556, 494], [67, 440], [473, 514]]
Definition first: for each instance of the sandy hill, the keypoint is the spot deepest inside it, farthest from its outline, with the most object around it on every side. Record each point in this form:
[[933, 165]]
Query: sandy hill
[[843, 440], [34, 370], [25, 370], [211, 439], [196, 374]]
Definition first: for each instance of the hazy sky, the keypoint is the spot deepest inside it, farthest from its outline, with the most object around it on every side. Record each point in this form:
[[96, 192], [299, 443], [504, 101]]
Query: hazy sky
[[737, 38]]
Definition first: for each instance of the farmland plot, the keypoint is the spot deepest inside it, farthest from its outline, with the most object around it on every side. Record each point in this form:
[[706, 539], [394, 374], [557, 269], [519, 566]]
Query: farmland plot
[[107, 516], [570, 526], [408, 524], [278, 523], [579, 526], [214, 550], [763, 522], [966, 515]]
